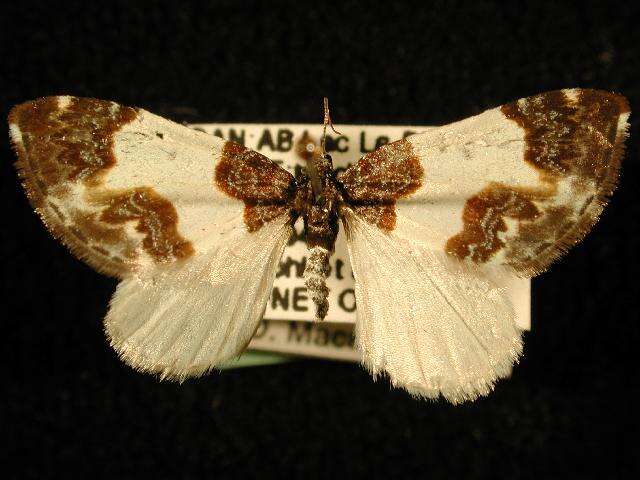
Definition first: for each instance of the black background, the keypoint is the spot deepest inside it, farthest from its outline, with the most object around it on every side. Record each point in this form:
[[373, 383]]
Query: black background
[[70, 406]]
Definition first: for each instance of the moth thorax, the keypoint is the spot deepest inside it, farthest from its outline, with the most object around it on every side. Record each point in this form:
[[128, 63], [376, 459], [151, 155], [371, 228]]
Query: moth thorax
[[316, 272], [319, 169]]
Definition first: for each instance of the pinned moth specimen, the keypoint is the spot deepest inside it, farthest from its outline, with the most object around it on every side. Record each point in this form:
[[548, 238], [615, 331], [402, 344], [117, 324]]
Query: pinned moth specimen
[[194, 227]]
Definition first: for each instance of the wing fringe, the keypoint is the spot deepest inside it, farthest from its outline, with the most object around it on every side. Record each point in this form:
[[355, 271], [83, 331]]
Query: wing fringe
[[592, 212]]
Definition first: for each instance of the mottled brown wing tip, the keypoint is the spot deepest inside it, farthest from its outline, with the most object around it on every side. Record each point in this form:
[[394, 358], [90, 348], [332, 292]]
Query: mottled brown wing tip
[[15, 122], [17, 113], [28, 117], [604, 112], [19, 118], [574, 138], [30, 186], [30, 130], [617, 108], [619, 111], [620, 100]]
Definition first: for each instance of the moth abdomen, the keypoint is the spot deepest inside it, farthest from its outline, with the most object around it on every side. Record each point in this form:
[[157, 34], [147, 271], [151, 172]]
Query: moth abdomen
[[316, 272]]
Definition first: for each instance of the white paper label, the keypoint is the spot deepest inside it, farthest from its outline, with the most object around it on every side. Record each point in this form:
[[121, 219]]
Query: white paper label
[[311, 339]]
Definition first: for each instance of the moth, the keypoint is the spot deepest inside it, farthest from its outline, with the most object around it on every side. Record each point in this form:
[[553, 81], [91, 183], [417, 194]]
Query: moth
[[194, 227]]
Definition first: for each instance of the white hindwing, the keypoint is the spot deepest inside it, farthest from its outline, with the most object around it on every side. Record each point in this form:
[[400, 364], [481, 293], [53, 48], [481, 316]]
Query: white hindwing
[[184, 318], [434, 325]]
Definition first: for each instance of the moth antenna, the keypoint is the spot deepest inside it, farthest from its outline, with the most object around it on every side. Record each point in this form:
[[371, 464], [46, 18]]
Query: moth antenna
[[317, 165], [327, 121]]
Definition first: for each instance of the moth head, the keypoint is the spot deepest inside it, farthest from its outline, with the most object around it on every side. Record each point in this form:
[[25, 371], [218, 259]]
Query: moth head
[[326, 162]]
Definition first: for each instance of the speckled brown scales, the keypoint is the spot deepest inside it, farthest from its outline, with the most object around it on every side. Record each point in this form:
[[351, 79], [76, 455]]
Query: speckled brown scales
[[267, 190], [374, 184]]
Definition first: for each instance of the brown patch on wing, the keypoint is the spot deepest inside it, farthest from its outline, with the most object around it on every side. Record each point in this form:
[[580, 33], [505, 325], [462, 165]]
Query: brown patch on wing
[[60, 147], [257, 215], [484, 219], [575, 140], [551, 226], [156, 218], [383, 215], [90, 224], [266, 189], [374, 184]]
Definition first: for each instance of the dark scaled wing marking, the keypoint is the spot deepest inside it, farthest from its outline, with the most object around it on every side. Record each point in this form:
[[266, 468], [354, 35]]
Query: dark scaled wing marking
[[266, 189], [373, 185]]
